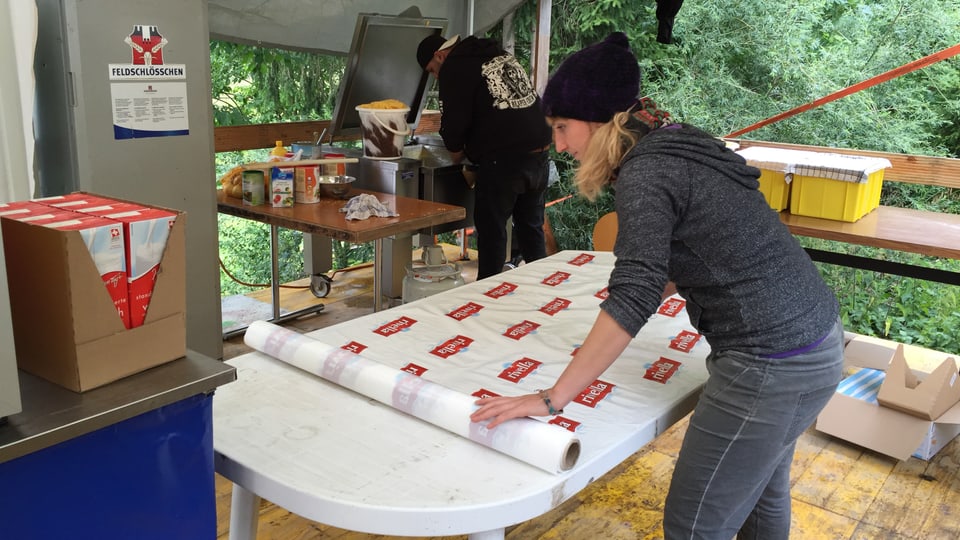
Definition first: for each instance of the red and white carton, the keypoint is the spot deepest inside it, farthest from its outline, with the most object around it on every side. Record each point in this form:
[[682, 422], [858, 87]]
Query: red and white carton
[[28, 211], [146, 231], [75, 201], [104, 239]]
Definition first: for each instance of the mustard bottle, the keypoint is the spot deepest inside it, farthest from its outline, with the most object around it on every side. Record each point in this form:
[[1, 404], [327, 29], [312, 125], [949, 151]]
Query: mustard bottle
[[278, 153]]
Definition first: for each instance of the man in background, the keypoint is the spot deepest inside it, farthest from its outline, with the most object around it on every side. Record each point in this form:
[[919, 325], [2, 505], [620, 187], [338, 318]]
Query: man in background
[[490, 115]]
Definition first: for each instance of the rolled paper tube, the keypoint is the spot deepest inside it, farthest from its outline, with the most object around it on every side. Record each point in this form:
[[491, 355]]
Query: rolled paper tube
[[546, 446]]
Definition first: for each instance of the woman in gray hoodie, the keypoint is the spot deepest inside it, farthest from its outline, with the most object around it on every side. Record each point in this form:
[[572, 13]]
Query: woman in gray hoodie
[[689, 211]]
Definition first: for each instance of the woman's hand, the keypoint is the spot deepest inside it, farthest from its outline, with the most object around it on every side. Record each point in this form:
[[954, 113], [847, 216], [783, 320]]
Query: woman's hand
[[500, 409]]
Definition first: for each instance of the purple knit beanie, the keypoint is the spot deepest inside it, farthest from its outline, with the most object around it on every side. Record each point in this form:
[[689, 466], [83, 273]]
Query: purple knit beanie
[[595, 82]]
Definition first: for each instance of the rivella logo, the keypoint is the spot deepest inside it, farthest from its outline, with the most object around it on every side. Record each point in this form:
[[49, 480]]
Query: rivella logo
[[354, 347], [555, 306], [414, 369], [501, 290], [685, 341], [594, 394], [452, 346], [661, 370], [603, 293], [581, 259], [521, 329], [393, 327], [565, 423], [518, 370], [671, 307], [465, 311], [556, 278], [483, 392]]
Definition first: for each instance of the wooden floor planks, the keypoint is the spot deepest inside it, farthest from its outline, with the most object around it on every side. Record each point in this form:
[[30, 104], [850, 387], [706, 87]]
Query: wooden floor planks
[[840, 491]]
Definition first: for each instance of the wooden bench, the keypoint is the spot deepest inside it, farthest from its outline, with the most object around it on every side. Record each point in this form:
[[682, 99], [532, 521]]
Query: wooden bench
[[932, 234]]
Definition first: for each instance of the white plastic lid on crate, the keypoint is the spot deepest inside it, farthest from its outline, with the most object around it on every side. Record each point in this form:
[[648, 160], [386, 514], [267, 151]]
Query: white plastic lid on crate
[[848, 168]]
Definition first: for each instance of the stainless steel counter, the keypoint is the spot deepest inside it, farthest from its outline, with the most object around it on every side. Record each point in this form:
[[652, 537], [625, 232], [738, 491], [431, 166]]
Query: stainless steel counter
[[52, 414]]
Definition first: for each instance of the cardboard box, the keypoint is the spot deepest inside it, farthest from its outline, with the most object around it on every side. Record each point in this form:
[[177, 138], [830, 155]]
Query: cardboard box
[[855, 414], [65, 325]]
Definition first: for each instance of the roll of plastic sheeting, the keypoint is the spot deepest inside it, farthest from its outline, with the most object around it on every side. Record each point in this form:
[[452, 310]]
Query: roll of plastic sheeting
[[548, 447]]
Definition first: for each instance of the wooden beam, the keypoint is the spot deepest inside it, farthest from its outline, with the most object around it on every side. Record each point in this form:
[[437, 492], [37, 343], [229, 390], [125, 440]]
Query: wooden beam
[[232, 138]]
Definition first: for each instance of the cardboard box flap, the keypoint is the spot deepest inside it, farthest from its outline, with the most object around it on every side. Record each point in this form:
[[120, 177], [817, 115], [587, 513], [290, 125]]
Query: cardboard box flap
[[868, 352], [925, 397], [884, 430], [952, 416]]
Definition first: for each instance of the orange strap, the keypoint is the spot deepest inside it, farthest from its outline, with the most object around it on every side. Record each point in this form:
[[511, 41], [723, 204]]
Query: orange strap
[[883, 77]]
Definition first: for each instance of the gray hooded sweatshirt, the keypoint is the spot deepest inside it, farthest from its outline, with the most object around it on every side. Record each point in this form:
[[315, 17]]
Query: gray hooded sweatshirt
[[690, 211]]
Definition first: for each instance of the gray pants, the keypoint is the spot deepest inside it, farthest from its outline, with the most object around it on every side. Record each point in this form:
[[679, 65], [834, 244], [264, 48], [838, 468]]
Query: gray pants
[[732, 477]]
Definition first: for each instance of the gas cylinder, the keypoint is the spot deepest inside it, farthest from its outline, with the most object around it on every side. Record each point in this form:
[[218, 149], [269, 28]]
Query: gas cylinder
[[430, 275]]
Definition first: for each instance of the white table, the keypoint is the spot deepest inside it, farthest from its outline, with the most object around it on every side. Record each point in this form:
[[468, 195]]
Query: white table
[[337, 457]]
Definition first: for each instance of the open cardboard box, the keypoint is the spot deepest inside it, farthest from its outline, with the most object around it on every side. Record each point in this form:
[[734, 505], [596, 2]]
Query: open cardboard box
[[65, 325], [911, 412]]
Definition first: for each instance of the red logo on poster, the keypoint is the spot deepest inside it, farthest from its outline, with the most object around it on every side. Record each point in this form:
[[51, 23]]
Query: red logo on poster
[[520, 369], [354, 347], [581, 259], [452, 346], [463, 312], [603, 293], [671, 307], [661, 370], [521, 329], [594, 393], [684, 341], [483, 392], [556, 278], [400, 325], [146, 44], [501, 290], [555, 306]]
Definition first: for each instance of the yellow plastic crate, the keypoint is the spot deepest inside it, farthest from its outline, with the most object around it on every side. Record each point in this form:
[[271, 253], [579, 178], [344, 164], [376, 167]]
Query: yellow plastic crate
[[835, 199], [775, 189]]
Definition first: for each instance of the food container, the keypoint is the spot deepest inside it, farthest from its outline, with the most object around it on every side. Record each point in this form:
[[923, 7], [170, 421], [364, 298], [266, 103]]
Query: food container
[[253, 188]]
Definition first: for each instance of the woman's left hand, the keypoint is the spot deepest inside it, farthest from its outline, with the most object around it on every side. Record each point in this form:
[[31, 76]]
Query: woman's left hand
[[500, 409]]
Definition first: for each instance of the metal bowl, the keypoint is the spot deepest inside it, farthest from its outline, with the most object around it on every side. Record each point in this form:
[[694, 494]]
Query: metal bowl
[[335, 186]]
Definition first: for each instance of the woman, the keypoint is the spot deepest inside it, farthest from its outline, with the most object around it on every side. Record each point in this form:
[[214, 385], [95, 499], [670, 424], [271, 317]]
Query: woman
[[689, 211]]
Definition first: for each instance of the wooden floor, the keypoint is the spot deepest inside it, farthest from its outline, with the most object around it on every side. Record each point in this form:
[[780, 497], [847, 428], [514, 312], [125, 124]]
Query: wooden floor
[[839, 491]]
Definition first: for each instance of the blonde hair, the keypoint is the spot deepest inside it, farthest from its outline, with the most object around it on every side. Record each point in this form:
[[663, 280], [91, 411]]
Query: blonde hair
[[608, 144]]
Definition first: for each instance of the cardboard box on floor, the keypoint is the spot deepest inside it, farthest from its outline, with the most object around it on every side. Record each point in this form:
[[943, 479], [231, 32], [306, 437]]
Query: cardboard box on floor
[[917, 411], [66, 327]]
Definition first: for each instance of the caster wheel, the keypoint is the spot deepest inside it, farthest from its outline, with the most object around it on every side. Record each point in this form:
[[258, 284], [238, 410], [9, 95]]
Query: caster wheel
[[320, 285]]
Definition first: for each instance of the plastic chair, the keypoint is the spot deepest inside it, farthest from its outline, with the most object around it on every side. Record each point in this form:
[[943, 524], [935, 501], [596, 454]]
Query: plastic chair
[[605, 232]]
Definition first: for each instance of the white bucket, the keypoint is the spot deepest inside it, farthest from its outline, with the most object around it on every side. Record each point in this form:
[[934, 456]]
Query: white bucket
[[384, 132]]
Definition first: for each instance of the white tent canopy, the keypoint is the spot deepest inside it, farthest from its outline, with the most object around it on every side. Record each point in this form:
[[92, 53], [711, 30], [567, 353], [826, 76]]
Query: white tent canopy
[[327, 26]]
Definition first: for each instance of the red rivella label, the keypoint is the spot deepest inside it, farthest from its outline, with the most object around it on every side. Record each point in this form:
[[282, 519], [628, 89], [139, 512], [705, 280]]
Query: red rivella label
[[400, 325], [671, 307], [465, 311], [555, 306], [603, 293], [685, 341], [594, 394], [354, 347], [581, 259], [518, 370], [501, 290], [452, 346], [661, 370], [414, 369], [521, 329], [556, 278], [483, 392], [565, 423]]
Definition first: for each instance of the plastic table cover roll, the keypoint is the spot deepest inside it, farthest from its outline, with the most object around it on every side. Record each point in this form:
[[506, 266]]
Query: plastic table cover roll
[[335, 456], [545, 446]]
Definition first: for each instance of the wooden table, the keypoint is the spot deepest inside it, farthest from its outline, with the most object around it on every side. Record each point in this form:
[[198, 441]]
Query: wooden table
[[887, 227], [338, 457], [324, 218]]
